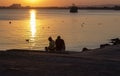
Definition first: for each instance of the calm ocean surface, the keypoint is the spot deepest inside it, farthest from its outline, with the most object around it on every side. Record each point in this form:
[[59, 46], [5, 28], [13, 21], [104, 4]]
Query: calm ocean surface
[[88, 28]]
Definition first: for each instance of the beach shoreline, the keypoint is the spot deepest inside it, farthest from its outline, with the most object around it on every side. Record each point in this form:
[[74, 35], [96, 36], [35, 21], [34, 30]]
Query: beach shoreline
[[95, 62]]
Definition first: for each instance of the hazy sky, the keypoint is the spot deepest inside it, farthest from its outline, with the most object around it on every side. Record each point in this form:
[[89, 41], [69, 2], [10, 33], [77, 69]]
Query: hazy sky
[[46, 3]]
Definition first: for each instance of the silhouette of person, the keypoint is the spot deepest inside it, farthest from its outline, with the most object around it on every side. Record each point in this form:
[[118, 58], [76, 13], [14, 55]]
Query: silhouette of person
[[60, 44], [51, 46]]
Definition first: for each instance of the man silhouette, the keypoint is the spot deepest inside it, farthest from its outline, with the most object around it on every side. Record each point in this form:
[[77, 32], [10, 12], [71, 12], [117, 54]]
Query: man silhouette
[[60, 44]]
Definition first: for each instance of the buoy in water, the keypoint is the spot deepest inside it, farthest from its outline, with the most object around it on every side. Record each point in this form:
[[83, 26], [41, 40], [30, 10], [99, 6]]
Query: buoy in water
[[27, 40], [10, 22]]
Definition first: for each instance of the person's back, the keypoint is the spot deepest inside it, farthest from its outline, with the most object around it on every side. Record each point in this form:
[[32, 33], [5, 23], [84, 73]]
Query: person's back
[[51, 46], [60, 45]]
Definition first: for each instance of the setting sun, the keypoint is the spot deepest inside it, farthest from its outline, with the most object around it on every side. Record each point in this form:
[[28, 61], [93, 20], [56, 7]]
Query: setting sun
[[32, 2]]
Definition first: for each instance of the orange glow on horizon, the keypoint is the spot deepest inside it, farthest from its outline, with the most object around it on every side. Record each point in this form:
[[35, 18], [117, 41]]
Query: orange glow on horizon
[[46, 3]]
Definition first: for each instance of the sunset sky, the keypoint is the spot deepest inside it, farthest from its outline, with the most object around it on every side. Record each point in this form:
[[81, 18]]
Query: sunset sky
[[46, 3]]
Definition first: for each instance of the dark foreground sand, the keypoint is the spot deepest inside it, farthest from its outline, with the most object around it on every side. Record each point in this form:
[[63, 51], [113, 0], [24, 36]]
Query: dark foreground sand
[[97, 62]]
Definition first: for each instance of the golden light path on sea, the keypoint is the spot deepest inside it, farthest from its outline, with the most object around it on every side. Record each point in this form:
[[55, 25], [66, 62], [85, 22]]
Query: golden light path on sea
[[33, 23]]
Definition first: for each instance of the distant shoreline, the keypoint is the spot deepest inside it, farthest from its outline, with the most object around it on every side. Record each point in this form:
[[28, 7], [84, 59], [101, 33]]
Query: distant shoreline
[[80, 8]]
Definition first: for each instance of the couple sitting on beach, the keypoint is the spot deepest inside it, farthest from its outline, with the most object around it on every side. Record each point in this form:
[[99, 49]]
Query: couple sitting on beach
[[55, 46]]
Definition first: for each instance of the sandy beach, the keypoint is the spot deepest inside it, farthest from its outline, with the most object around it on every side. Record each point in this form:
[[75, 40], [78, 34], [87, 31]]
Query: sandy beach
[[96, 62]]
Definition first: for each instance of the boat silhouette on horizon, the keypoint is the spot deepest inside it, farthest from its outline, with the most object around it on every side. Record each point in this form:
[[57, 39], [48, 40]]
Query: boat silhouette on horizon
[[73, 9]]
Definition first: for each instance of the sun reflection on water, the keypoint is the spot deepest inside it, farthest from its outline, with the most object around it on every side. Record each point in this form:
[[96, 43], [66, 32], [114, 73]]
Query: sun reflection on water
[[33, 23], [32, 29]]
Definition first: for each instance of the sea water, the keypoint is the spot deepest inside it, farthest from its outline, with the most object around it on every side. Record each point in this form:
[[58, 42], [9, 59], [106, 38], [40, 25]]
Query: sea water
[[30, 28]]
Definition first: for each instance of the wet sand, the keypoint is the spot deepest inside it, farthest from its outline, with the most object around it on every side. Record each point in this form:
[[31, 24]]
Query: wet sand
[[96, 62]]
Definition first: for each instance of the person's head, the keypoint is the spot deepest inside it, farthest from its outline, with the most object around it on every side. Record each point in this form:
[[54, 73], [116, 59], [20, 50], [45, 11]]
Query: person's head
[[58, 37], [50, 38]]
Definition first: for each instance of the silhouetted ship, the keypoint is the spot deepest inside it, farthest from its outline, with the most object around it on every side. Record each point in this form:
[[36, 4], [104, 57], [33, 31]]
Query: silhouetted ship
[[116, 7], [73, 9]]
